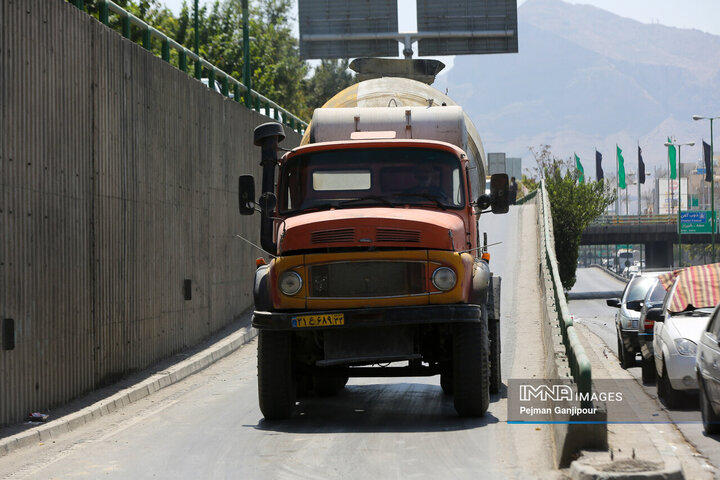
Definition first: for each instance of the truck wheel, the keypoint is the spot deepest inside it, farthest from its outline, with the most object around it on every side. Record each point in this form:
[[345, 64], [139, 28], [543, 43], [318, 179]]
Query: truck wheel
[[648, 371], [471, 375], [276, 389], [446, 377], [328, 386], [495, 366]]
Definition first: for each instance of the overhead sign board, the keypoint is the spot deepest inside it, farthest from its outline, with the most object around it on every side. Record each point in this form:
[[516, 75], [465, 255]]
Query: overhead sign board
[[467, 27], [336, 29], [696, 221]]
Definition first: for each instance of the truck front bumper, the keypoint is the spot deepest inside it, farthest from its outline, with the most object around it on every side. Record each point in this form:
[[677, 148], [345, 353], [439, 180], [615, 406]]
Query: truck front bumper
[[367, 317]]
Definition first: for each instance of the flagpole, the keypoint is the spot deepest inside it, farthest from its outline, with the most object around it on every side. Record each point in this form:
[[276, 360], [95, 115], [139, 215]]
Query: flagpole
[[617, 183]]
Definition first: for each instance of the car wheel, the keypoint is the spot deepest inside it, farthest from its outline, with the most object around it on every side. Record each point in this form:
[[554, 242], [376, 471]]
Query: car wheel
[[648, 371], [627, 359], [665, 391], [711, 421]]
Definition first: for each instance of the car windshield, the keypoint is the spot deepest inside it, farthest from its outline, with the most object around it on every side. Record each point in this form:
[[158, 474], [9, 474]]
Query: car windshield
[[637, 288], [351, 178], [657, 295]]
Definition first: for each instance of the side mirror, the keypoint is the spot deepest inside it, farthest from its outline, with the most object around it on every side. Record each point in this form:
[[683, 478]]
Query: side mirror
[[246, 194], [655, 314], [635, 305], [613, 302], [499, 193]]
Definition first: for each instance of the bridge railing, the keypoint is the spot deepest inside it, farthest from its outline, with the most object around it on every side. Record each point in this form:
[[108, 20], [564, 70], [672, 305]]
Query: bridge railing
[[578, 361], [258, 102], [635, 219]]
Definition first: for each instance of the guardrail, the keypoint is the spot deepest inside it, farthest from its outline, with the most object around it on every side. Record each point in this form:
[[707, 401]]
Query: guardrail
[[635, 219], [527, 197], [578, 361], [258, 102]]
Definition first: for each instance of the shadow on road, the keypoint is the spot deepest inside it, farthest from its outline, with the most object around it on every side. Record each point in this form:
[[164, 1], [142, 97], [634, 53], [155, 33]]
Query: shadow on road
[[403, 407]]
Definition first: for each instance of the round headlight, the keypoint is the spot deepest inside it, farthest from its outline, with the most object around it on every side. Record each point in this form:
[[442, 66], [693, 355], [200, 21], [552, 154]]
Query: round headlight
[[290, 283], [443, 278]]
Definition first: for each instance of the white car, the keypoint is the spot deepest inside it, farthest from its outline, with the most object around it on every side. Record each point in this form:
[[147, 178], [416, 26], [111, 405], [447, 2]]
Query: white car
[[679, 324]]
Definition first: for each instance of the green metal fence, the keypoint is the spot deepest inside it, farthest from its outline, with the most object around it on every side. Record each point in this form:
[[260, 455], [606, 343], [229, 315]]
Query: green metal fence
[[577, 358], [230, 87]]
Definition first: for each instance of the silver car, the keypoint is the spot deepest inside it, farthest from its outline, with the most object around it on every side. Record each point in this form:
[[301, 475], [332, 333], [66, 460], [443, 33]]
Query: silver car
[[707, 367], [626, 320]]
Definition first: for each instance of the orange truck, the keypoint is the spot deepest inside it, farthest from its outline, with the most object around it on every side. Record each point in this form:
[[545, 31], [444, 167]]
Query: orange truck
[[377, 268]]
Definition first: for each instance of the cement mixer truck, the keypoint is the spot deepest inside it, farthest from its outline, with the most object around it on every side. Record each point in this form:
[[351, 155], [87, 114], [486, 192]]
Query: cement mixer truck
[[377, 267]]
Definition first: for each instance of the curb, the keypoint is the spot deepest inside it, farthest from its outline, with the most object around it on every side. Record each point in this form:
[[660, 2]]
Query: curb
[[132, 394], [601, 468]]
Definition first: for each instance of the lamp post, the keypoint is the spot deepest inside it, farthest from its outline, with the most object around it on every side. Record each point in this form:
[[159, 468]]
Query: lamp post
[[712, 182], [679, 170]]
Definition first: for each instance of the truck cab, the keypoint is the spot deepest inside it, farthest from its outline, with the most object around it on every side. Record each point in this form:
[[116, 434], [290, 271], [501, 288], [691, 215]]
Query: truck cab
[[377, 265]]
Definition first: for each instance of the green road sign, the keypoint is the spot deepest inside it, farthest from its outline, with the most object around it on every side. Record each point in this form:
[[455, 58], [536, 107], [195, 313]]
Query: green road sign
[[697, 221]]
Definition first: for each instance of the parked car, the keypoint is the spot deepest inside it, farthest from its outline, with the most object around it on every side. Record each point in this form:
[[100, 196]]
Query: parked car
[[653, 298], [626, 319], [707, 369], [679, 325]]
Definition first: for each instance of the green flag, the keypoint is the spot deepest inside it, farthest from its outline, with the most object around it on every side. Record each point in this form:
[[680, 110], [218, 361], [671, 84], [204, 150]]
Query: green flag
[[621, 168], [672, 155], [578, 165]]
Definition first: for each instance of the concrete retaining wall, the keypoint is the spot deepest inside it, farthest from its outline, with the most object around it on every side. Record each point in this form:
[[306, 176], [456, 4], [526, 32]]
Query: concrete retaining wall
[[118, 179]]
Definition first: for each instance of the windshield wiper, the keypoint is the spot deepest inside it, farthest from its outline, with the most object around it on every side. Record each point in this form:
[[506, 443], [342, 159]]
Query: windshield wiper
[[377, 198]]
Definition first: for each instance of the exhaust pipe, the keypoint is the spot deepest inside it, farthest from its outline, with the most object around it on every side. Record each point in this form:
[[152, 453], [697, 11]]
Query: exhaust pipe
[[268, 136]]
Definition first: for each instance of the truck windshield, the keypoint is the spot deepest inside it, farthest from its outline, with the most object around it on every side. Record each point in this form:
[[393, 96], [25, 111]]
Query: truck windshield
[[350, 178]]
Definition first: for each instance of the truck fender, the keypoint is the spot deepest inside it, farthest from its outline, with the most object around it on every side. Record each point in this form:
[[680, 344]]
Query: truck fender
[[480, 282], [261, 289]]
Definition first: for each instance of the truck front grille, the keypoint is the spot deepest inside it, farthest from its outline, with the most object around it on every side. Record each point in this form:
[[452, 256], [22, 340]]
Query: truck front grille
[[367, 279]]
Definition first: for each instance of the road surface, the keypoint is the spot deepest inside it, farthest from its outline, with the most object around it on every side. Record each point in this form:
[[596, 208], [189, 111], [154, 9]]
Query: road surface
[[209, 425]]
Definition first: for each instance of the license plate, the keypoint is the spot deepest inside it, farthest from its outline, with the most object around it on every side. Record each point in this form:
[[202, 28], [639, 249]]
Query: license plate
[[325, 320]]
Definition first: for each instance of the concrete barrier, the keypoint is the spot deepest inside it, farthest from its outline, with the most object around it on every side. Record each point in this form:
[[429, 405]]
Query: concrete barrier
[[119, 207]]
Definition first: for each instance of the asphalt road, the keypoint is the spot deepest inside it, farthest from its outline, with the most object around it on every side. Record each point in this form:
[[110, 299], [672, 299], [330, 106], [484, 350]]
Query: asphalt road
[[209, 425], [600, 320]]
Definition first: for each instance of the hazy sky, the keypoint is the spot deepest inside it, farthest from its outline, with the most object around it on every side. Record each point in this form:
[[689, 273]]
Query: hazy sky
[[701, 14]]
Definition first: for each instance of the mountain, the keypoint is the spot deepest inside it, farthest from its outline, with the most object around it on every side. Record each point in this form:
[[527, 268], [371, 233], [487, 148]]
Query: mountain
[[585, 78]]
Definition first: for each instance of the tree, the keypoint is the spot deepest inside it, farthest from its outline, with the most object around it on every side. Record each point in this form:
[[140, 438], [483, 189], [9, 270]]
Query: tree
[[330, 77], [573, 206]]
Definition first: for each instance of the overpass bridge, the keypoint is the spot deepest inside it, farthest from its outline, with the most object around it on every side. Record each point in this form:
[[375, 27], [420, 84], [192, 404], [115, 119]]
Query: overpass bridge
[[657, 233]]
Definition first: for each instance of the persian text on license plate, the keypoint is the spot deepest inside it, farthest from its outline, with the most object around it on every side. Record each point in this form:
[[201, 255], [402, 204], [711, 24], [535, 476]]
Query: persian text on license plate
[[326, 320]]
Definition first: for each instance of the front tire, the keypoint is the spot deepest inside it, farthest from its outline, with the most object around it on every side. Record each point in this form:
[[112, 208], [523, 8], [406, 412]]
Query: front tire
[[627, 358], [495, 366], [471, 375], [276, 388]]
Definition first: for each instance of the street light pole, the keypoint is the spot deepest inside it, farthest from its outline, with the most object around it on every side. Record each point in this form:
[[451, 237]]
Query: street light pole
[[679, 177], [712, 182]]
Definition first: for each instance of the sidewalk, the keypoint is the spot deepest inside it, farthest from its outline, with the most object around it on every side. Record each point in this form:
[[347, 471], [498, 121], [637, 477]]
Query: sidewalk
[[639, 446], [131, 389]]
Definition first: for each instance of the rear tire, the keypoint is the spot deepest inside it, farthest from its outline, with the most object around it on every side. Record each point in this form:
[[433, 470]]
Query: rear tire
[[471, 375], [648, 371], [711, 421], [495, 365], [328, 386], [446, 377], [276, 389]]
